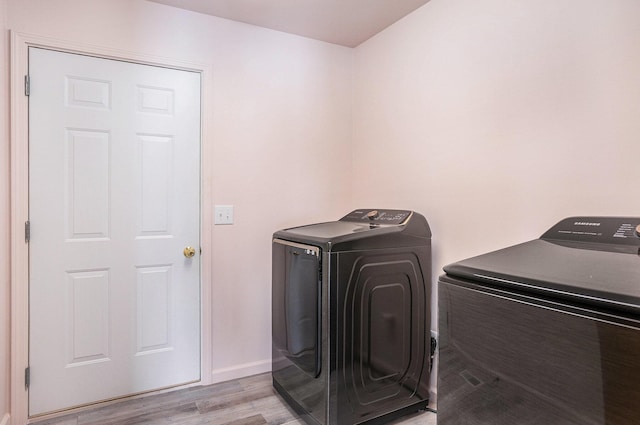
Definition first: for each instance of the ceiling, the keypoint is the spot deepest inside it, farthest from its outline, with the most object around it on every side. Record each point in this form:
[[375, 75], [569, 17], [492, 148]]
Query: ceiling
[[344, 22]]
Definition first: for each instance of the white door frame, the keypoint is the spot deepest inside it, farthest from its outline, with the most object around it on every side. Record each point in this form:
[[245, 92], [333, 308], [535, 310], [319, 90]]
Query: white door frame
[[20, 44]]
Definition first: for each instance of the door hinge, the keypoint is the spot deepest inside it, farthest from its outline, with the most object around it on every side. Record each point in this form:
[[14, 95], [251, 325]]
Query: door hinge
[[27, 377], [27, 85], [27, 231]]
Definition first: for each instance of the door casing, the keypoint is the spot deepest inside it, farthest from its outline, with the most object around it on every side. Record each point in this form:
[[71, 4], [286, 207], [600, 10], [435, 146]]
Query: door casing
[[19, 142]]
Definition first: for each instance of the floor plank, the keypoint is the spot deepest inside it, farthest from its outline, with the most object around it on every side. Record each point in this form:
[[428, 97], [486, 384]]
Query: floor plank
[[246, 401]]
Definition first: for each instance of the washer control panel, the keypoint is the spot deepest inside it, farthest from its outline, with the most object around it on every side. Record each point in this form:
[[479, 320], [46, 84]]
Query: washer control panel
[[378, 216], [610, 230]]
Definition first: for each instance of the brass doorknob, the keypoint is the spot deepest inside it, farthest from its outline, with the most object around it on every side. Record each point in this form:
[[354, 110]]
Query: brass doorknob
[[189, 251]]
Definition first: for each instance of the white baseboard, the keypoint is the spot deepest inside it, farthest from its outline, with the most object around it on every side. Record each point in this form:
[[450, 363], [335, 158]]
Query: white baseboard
[[5, 419], [240, 371]]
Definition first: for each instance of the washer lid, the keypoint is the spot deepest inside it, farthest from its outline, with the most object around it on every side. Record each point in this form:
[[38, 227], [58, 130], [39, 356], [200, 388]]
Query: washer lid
[[577, 259], [329, 230], [364, 229], [357, 221]]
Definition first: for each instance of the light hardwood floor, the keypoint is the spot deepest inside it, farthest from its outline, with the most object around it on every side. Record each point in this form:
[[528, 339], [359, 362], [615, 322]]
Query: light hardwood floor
[[246, 401]]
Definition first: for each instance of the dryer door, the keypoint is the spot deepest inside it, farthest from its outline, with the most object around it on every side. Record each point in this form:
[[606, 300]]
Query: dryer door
[[295, 305]]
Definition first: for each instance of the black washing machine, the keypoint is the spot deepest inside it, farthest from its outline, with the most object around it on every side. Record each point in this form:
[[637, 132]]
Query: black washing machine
[[351, 317], [544, 332]]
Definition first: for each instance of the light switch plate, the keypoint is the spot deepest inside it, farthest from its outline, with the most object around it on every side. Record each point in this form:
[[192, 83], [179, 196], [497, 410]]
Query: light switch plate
[[223, 214]]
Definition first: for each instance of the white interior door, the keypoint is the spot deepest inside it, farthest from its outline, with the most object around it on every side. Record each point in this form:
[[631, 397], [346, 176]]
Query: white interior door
[[114, 198]]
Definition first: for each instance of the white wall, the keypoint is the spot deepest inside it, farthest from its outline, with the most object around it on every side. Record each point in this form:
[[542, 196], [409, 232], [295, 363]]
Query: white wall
[[496, 119], [279, 120], [4, 217]]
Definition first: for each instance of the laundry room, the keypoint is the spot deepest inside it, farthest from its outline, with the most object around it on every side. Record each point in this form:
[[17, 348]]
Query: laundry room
[[493, 119]]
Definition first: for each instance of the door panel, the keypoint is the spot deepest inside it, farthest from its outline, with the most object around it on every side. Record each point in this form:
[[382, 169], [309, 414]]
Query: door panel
[[296, 306], [114, 197]]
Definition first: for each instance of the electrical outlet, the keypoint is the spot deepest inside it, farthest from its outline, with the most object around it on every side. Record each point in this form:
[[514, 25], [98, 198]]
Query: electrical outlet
[[223, 214]]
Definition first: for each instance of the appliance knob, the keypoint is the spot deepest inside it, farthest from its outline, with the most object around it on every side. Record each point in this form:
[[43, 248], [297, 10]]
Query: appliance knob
[[638, 230], [373, 214]]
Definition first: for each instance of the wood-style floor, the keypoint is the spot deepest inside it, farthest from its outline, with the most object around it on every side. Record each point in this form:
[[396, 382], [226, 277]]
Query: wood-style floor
[[246, 401]]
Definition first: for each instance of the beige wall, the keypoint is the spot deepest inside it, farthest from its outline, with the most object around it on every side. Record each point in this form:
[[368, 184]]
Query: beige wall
[[497, 118], [279, 123], [4, 216]]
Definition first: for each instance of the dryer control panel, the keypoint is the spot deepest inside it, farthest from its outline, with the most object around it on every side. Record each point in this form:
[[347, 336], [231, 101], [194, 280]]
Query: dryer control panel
[[607, 230], [378, 216]]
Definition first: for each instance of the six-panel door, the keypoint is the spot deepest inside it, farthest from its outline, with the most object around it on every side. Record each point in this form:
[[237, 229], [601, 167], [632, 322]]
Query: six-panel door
[[114, 198]]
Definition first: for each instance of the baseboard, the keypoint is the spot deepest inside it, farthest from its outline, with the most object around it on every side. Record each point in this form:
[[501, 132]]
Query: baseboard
[[240, 371], [5, 419]]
